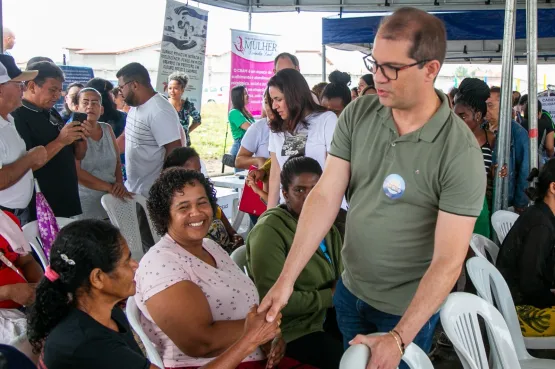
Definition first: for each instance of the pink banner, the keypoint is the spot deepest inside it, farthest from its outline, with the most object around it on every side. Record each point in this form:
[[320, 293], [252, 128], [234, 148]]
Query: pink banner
[[252, 64]]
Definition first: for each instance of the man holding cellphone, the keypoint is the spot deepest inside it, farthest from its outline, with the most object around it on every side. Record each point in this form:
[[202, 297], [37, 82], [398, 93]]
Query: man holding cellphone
[[39, 124]]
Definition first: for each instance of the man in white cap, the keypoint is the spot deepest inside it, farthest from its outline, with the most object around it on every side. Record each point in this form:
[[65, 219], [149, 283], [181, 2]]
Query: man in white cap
[[16, 163]]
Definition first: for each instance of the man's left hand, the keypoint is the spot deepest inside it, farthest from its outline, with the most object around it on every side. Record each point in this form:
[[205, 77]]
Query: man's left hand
[[385, 353]]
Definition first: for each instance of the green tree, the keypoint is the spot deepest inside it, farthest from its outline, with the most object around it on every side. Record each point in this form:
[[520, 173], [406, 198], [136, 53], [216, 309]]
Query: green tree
[[462, 72]]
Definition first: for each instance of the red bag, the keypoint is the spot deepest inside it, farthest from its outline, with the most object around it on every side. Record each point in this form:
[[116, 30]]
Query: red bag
[[7, 275], [250, 201]]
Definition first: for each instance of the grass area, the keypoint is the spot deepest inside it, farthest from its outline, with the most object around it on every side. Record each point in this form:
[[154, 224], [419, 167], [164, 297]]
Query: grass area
[[209, 138]]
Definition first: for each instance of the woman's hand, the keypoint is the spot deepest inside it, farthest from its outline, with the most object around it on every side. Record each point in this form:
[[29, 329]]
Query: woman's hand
[[274, 351], [252, 184], [237, 240], [502, 173], [257, 330], [256, 175], [118, 190]]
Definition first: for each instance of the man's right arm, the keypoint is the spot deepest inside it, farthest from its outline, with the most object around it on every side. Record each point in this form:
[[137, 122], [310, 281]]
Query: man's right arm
[[11, 173], [319, 212]]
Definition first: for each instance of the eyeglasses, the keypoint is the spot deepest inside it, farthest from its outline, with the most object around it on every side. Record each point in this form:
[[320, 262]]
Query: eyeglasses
[[390, 72], [21, 84], [125, 84]]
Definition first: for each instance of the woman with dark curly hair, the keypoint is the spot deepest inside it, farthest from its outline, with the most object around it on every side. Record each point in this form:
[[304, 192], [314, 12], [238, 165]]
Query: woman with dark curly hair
[[221, 229], [193, 297], [75, 321], [177, 83]]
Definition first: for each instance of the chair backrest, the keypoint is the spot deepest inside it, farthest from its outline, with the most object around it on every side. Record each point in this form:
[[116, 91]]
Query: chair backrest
[[492, 287], [123, 214], [480, 245], [239, 256], [31, 232], [357, 356], [502, 222], [133, 315], [459, 319]]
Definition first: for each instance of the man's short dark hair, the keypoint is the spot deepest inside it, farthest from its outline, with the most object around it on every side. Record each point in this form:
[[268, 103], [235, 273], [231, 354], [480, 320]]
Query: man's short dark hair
[[291, 57], [425, 31], [135, 72], [46, 70], [37, 59]]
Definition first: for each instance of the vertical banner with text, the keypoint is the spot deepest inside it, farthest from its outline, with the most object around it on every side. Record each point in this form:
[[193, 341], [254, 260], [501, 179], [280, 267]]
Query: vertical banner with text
[[252, 64], [183, 48]]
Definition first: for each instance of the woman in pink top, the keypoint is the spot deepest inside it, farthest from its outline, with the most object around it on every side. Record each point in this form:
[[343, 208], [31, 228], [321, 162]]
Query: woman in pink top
[[193, 297]]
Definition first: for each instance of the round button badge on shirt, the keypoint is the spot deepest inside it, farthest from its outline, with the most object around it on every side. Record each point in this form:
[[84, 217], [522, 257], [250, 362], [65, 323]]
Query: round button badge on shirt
[[394, 186]]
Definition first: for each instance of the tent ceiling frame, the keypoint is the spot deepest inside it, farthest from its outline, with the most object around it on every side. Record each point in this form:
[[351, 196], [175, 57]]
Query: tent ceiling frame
[[345, 6]]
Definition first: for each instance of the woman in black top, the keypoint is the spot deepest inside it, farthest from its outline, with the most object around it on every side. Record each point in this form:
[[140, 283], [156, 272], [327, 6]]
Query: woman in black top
[[75, 321], [527, 258]]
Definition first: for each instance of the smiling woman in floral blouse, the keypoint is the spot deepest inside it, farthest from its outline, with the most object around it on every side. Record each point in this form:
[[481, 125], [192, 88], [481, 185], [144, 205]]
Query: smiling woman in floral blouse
[[177, 82]]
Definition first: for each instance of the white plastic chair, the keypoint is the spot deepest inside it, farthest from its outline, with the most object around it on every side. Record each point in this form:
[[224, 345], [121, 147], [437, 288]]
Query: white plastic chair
[[488, 279], [239, 256], [31, 232], [357, 356], [133, 315], [459, 319], [502, 222], [480, 245], [123, 214]]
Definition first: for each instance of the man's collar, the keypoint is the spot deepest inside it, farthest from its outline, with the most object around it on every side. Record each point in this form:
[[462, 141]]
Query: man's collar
[[4, 122], [29, 105], [429, 131]]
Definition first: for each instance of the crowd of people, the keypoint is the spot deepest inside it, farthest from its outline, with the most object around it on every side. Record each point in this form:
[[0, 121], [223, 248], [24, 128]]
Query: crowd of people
[[372, 193]]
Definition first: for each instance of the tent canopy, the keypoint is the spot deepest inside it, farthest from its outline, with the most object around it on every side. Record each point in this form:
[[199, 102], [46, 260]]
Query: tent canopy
[[345, 6], [472, 35]]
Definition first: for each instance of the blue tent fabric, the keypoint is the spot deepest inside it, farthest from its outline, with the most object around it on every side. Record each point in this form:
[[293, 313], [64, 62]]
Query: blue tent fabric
[[467, 25]]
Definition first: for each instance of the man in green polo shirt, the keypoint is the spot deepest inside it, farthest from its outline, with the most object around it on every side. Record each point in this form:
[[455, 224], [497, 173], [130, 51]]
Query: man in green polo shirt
[[414, 178]]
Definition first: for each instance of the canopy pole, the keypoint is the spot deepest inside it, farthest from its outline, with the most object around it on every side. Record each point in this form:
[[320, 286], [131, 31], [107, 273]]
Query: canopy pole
[[324, 62], [532, 51], [250, 14], [505, 117], [1, 28]]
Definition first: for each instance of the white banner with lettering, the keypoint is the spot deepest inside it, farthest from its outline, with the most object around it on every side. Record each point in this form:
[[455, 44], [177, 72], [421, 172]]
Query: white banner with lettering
[[183, 48]]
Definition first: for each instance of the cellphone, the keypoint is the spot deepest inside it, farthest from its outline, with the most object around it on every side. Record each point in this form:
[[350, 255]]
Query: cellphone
[[79, 117]]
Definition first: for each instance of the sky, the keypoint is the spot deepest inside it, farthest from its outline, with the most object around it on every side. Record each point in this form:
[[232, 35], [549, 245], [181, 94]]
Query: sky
[[45, 27]]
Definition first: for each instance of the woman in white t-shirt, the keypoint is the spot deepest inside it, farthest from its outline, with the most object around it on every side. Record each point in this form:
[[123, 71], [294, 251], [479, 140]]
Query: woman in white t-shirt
[[299, 127]]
